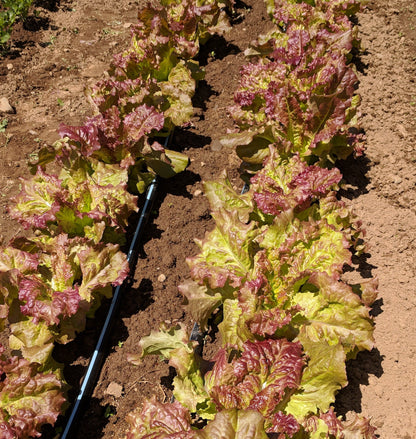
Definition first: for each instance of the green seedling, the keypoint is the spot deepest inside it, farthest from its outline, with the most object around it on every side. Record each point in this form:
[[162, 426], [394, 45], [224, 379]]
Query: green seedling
[[109, 411], [3, 125]]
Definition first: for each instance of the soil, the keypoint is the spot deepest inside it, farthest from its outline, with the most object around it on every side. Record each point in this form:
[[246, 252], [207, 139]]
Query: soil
[[66, 46]]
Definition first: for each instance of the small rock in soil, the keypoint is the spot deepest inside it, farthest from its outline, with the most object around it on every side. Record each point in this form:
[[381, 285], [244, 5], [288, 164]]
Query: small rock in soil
[[5, 106], [114, 389], [161, 278], [216, 145]]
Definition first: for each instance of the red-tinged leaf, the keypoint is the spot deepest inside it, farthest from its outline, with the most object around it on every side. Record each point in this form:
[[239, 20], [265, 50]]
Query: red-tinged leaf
[[29, 398], [267, 322], [291, 184], [101, 266], [328, 425], [86, 136], [234, 424], [39, 200], [23, 261], [141, 121], [358, 426], [261, 379], [282, 423], [42, 303], [159, 421], [226, 252]]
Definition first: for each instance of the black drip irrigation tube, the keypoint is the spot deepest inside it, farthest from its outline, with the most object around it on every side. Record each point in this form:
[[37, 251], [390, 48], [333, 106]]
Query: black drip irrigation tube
[[98, 357]]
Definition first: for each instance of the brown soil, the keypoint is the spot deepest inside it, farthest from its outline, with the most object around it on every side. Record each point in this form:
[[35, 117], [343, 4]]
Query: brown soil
[[64, 47]]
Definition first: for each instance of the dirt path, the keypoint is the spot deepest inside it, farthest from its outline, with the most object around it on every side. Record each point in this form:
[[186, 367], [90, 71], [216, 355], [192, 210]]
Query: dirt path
[[71, 47], [386, 203]]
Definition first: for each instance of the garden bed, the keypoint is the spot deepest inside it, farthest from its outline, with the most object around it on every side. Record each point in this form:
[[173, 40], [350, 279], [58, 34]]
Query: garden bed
[[71, 47]]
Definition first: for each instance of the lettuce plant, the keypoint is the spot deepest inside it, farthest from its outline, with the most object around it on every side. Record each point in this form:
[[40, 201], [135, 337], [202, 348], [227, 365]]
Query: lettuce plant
[[158, 69], [273, 265], [307, 110], [89, 199], [330, 8], [49, 285], [275, 269], [255, 383], [29, 398], [299, 25], [300, 94]]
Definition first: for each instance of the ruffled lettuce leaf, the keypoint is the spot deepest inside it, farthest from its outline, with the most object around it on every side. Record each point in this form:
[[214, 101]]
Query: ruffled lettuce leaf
[[35, 341], [285, 184], [297, 10], [155, 420], [327, 425], [234, 424], [173, 344], [172, 421], [226, 252], [200, 300], [262, 378], [29, 398], [222, 196], [325, 27], [100, 267]]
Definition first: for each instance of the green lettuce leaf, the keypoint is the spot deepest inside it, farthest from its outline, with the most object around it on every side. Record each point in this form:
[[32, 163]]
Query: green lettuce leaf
[[226, 252], [173, 344], [100, 267], [234, 424], [200, 300]]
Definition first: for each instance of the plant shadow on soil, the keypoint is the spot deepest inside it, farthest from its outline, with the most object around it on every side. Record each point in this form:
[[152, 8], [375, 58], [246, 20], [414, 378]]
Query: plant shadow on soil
[[216, 47], [358, 371], [354, 171]]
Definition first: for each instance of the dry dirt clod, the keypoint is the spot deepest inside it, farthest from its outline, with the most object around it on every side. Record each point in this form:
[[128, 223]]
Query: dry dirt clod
[[161, 278], [216, 145]]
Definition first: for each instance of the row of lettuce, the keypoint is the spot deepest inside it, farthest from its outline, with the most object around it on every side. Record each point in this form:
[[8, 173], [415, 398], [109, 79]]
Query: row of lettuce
[[269, 275], [78, 201]]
